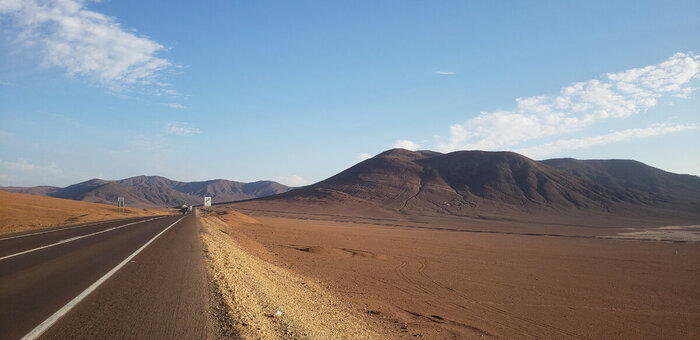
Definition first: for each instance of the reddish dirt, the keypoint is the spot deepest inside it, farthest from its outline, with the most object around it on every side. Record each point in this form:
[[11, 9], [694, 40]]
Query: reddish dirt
[[20, 212], [460, 278]]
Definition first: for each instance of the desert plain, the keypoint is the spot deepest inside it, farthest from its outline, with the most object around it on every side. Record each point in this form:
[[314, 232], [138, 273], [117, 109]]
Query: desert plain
[[458, 278], [23, 212]]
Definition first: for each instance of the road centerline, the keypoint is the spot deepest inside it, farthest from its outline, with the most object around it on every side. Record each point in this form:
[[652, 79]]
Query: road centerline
[[75, 238], [54, 230], [49, 231]]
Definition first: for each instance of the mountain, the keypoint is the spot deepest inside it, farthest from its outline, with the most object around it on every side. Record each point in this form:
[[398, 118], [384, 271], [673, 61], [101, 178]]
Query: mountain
[[478, 183], [43, 190], [465, 183], [635, 181], [155, 191]]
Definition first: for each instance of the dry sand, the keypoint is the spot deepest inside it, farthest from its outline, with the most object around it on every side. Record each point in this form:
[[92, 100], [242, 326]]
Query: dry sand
[[690, 233], [258, 300], [451, 280], [20, 212]]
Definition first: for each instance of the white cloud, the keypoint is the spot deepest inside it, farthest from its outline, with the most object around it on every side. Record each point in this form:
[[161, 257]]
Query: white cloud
[[363, 156], [292, 181], [616, 136], [445, 72], [22, 172], [579, 105], [86, 43], [164, 91], [175, 106], [406, 144], [180, 129]]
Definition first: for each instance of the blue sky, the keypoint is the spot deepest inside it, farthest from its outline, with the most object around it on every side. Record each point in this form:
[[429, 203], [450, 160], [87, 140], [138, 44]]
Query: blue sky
[[298, 91]]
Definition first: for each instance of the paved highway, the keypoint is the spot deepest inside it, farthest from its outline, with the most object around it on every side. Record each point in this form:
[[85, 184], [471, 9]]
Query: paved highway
[[135, 278]]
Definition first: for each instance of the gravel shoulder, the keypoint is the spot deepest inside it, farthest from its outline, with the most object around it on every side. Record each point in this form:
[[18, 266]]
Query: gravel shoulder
[[249, 291]]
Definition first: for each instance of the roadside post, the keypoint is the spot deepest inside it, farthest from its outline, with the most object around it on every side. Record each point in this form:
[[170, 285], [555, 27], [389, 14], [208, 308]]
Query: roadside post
[[207, 205], [120, 204]]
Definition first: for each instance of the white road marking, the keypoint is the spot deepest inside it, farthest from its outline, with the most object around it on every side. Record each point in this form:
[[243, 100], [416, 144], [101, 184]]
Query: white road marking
[[38, 330], [57, 229], [74, 238]]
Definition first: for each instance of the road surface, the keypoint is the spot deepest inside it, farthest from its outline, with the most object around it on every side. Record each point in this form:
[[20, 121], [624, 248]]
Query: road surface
[[136, 278]]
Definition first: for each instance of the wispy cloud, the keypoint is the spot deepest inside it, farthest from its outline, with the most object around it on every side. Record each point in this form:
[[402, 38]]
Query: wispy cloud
[[579, 105], [17, 173], [175, 106], [165, 91], [613, 137], [406, 144], [180, 129], [292, 181], [86, 43], [363, 156], [445, 72]]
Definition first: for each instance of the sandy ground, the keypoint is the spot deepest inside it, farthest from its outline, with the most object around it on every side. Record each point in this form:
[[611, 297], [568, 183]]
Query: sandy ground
[[440, 280], [20, 212], [690, 233], [259, 300]]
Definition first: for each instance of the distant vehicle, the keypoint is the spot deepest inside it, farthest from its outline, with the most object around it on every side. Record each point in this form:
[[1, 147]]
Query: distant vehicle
[[184, 209]]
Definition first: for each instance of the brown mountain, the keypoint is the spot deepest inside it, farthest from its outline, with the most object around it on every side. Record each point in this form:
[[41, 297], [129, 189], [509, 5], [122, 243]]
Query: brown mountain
[[636, 182], [42, 190], [155, 191], [479, 183]]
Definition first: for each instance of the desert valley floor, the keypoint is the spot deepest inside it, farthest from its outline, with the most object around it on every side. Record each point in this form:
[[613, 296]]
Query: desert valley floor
[[457, 278]]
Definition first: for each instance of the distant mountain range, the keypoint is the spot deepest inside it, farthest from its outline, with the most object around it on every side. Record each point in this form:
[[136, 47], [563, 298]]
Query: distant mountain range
[[477, 183], [155, 191], [465, 183]]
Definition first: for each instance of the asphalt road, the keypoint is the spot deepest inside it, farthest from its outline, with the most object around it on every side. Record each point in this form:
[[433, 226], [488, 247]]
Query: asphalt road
[[87, 282]]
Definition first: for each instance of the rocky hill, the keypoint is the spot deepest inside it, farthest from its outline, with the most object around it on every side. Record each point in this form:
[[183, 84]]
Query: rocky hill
[[474, 183]]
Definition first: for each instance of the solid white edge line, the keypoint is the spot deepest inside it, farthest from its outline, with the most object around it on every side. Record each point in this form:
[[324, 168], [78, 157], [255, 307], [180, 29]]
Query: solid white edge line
[[59, 229], [74, 238], [38, 330]]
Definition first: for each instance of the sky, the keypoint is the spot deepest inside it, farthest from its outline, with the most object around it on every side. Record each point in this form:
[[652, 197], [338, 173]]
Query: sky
[[297, 91]]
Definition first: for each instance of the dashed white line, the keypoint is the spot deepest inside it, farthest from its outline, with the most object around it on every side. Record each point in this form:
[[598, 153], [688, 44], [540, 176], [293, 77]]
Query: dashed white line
[[38, 330], [75, 238]]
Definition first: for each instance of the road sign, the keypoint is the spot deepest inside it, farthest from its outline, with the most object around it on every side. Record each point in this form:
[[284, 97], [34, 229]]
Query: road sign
[[207, 202], [120, 204]]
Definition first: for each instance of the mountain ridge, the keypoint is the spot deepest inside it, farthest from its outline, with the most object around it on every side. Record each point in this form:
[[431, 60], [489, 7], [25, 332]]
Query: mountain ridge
[[475, 183], [461, 183], [156, 191]]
